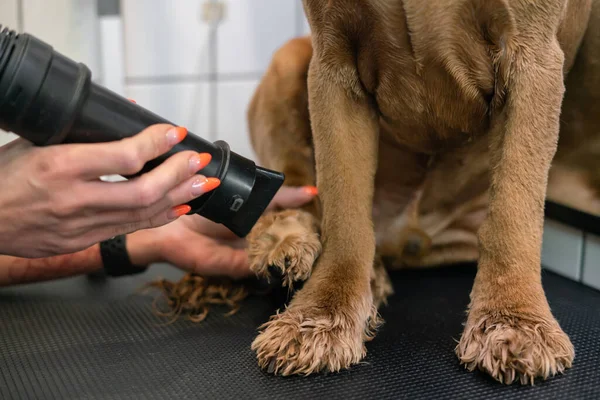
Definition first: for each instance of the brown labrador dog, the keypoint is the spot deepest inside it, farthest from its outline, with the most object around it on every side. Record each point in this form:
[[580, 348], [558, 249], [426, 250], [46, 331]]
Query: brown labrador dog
[[429, 128]]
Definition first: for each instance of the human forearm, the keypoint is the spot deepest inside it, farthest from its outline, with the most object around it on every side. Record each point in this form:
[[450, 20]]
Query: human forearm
[[16, 270]]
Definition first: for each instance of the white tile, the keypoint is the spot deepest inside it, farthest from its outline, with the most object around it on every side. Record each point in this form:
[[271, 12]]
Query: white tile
[[591, 261], [561, 249], [251, 31], [112, 54], [304, 27], [70, 26], [233, 99], [9, 13], [165, 38], [6, 137], [184, 104]]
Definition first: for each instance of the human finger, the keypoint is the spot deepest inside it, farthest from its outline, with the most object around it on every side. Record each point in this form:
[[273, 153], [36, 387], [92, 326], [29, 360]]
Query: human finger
[[293, 197], [161, 213], [173, 176], [124, 157]]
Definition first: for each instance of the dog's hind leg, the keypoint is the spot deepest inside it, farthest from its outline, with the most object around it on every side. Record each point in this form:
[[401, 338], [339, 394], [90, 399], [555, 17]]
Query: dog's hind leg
[[285, 242]]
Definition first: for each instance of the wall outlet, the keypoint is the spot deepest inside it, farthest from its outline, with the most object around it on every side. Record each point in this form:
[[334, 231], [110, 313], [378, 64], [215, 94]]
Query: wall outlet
[[213, 11]]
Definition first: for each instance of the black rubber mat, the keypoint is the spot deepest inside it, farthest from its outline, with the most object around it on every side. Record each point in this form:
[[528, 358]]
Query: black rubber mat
[[78, 339]]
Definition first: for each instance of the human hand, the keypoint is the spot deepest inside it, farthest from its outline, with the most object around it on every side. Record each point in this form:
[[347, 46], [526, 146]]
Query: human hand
[[52, 201], [198, 245]]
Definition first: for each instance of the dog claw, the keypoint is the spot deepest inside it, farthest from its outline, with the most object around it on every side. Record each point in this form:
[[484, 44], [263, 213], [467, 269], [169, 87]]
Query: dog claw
[[275, 271], [271, 367]]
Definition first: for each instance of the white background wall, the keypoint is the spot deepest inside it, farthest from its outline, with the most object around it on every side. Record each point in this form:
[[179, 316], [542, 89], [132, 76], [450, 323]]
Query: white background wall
[[200, 74]]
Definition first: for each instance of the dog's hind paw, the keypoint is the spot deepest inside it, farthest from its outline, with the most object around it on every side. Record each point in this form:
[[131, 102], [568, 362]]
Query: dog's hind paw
[[287, 242], [511, 348]]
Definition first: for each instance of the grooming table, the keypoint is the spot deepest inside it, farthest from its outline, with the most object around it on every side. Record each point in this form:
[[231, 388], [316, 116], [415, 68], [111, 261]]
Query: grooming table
[[85, 339]]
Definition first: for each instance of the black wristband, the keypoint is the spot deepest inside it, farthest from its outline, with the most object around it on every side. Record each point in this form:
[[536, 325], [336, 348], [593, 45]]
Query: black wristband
[[116, 259]]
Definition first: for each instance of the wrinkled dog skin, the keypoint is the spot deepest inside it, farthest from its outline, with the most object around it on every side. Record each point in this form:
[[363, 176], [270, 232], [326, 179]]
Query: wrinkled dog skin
[[429, 128]]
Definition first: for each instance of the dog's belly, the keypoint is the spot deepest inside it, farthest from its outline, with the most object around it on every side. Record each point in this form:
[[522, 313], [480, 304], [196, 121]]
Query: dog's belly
[[444, 197]]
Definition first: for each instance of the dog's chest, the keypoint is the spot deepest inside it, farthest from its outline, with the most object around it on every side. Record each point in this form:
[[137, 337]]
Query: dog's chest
[[430, 113], [429, 72]]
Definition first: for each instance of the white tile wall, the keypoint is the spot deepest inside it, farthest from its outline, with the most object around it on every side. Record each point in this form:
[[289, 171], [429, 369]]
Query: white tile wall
[[251, 31], [70, 26], [112, 54], [9, 19], [304, 27], [169, 51], [591, 261], [562, 249], [184, 104], [165, 38], [232, 104], [9, 14], [6, 137]]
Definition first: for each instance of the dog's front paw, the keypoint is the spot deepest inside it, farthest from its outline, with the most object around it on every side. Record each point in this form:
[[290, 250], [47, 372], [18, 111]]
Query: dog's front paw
[[288, 241], [307, 340], [512, 348]]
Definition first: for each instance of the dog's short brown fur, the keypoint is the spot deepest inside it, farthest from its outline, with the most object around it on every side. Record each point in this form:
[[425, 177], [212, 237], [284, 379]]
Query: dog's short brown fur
[[432, 126]]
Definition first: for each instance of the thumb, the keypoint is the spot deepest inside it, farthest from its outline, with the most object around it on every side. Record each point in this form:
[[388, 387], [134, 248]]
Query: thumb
[[293, 197]]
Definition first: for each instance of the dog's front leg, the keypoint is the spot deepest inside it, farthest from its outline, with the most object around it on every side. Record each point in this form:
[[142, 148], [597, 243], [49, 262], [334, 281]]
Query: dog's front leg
[[510, 332], [327, 322]]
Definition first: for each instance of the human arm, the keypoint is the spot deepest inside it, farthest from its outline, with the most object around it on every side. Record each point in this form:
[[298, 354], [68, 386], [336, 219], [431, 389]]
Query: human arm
[[192, 243], [52, 200]]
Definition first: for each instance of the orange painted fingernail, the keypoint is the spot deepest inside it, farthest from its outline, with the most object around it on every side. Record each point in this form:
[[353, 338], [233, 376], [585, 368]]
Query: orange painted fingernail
[[199, 161], [205, 159], [312, 190], [176, 135], [178, 211], [201, 186], [212, 183]]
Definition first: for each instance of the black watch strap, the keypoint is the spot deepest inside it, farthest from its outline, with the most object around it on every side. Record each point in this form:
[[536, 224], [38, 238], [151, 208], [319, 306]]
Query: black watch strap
[[116, 259]]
